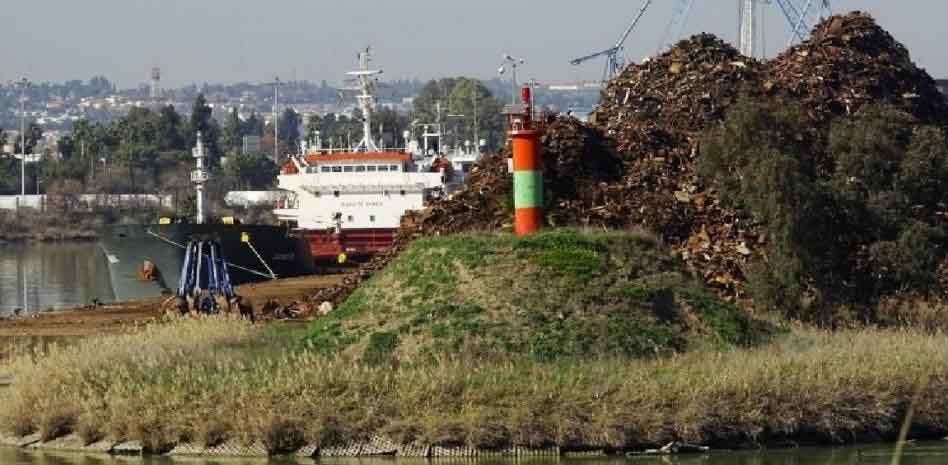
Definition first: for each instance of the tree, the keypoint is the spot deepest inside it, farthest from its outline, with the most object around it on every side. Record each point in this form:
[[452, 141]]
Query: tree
[[390, 125], [312, 127], [848, 211], [459, 96], [67, 147], [253, 126], [134, 156], [202, 121], [233, 132], [251, 171], [471, 98], [170, 130], [34, 134], [290, 128]]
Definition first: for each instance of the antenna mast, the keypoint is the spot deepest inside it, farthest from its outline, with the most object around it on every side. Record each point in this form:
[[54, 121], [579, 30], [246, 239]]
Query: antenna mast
[[199, 177], [366, 99]]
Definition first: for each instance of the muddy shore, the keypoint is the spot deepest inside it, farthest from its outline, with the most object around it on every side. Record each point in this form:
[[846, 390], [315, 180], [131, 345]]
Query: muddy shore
[[120, 317]]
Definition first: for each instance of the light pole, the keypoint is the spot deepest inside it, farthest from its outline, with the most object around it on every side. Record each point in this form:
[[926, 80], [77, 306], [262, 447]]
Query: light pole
[[276, 120], [513, 63], [477, 133], [23, 84], [454, 132]]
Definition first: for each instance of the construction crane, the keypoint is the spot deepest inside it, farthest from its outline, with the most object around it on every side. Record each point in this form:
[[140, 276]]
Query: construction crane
[[676, 26], [614, 62]]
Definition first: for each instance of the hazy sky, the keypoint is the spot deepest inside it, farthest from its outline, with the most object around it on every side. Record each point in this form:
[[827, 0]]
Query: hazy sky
[[195, 41]]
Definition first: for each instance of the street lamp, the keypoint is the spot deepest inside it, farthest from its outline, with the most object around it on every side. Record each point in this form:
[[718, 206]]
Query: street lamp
[[276, 122], [512, 62], [22, 84], [454, 132]]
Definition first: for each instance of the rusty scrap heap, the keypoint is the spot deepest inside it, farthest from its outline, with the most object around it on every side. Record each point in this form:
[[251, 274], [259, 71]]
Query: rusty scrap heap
[[634, 165], [849, 62]]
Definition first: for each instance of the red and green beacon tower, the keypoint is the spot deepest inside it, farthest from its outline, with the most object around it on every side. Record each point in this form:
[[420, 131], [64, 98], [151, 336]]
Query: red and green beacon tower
[[527, 165]]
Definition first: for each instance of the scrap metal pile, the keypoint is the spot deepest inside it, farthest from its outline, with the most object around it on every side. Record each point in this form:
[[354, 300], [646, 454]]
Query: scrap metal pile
[[634, 164], [850, 62]]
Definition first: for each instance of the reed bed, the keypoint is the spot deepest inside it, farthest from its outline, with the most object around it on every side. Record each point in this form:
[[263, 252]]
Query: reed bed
[[214, 380]]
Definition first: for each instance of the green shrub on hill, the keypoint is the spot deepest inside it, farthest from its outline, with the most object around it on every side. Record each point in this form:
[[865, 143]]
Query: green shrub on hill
[[559, 294], [851, 211]]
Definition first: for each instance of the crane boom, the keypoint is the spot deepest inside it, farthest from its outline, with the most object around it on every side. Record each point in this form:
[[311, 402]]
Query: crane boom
[[677, 24], [592, 56], [635, 22], [612, 54]]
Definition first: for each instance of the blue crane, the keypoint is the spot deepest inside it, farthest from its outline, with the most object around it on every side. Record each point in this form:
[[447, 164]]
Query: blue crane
[[614, 62]]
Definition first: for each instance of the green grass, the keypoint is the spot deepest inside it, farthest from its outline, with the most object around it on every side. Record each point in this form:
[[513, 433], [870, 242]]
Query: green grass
[[211, 380], [559, 294]]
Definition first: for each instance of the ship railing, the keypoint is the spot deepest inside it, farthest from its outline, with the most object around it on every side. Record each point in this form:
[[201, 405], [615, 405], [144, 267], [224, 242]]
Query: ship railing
[[333, 150], [362, 189]]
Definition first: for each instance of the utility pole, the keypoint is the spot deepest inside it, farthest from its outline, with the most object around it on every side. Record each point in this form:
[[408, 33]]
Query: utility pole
[[513, 63], [23, 84], [276, 120], [477, 132]]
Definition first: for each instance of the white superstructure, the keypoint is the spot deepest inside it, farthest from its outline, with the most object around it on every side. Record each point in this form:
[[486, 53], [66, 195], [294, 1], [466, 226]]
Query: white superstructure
[[368, 190], [365, 188]]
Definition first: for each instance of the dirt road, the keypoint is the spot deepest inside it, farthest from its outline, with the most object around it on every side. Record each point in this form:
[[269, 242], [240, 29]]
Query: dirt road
[[119, 317]]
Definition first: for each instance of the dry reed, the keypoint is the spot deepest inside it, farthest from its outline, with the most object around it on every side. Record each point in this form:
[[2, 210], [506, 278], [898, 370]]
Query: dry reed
[[211, 380]]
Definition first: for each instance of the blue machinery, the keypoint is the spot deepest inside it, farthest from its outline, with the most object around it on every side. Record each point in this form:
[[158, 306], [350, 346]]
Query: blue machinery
[[205, 283]]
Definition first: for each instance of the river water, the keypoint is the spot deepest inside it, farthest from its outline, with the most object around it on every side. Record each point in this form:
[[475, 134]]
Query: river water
[[52, 276], [932, 453]]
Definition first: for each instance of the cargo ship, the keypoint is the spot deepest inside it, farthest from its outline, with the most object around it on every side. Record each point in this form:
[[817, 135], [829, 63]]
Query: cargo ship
[[146, 260], [347, 204]]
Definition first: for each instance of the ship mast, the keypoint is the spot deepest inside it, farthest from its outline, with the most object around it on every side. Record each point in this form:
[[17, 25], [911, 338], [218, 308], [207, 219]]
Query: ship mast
[[199, 177], [366, 99]]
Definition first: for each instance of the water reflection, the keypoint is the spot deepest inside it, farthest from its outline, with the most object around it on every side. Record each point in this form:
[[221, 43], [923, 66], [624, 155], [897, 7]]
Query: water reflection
[[52, 276], [915, 454]]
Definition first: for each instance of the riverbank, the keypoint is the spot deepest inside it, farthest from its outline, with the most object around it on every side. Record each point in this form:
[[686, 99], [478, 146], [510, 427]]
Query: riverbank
[[604, 344], [25, 335], [33, 225], [208, 382]]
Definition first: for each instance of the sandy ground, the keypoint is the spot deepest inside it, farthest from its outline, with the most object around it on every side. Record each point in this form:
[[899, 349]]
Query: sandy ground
[[119, 317]]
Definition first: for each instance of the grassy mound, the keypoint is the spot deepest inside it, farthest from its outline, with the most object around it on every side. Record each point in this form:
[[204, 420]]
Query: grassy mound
[[558, 294]]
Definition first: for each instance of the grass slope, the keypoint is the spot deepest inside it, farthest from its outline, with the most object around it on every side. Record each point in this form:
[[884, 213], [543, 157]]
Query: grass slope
[[559, 294], [212, 380]]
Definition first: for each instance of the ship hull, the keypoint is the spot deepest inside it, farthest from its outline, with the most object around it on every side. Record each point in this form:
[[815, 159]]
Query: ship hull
[[128, 247], [327, 246]]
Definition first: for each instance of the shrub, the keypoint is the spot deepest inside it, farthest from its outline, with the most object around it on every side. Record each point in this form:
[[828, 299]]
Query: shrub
[[848, 210]]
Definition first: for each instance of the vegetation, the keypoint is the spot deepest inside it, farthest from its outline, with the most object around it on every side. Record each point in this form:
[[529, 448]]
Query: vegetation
[[214, 380], [851, 212], [29, 225], [468, 98], [560, 294], [144, 152]]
